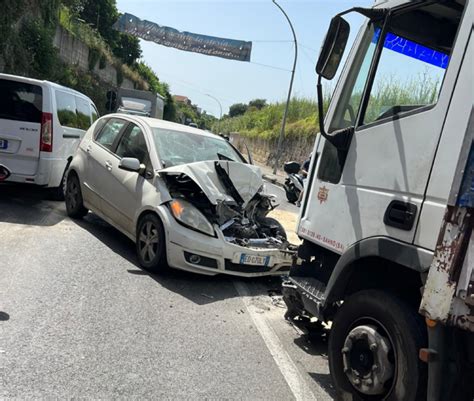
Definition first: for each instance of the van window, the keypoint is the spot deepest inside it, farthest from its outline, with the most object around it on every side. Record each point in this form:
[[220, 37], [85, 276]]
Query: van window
[[83, 112], [66, 107], [20, 101]]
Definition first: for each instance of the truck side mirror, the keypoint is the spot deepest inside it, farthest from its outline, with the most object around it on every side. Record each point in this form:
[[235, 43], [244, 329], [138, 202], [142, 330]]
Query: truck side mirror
[[333, 48]]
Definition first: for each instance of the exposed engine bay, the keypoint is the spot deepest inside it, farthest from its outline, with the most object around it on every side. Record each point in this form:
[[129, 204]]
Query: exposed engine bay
[[231, 196]]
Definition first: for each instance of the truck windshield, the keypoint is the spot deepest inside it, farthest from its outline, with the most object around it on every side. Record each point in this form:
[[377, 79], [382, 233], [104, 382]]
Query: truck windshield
[[177, 147]]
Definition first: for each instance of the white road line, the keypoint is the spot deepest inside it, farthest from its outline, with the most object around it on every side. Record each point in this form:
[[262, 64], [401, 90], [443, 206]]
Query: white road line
[[287, 367]]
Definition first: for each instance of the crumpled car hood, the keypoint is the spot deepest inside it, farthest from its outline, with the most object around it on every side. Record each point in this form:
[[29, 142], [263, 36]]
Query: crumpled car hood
[[247, 179]]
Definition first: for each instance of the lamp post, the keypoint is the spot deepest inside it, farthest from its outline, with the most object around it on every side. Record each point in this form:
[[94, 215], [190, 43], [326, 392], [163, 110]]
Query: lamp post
[[220, 107], [285, 114]]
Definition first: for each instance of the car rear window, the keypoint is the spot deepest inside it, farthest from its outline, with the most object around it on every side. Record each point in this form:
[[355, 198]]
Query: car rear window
[[20, 101]]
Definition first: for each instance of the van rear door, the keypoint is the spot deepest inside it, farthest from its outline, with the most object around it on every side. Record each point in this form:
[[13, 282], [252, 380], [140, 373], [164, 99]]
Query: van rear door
[[21, 107]]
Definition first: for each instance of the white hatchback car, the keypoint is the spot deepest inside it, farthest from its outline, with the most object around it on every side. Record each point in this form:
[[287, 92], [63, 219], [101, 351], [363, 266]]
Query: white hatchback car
[[186, 197]]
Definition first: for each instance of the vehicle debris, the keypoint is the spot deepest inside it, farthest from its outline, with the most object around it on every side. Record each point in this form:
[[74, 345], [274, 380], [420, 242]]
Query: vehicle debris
[[231, 195]]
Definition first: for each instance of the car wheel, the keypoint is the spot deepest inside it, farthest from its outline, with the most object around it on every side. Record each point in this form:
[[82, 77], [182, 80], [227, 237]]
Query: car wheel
[[74, 203], [373, 349], [150, 243]]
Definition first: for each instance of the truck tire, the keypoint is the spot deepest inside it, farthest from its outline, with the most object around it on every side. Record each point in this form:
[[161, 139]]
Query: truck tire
[[373, 349]]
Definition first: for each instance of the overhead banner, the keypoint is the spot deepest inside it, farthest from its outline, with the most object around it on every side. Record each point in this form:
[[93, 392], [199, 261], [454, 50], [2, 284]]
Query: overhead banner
[[187, 41]]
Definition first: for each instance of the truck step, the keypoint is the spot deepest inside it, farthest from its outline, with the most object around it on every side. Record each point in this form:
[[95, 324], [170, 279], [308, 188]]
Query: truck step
[[310, 287]]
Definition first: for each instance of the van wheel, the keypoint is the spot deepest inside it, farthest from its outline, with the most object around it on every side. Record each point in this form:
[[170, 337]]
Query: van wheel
[[74, 203], [150, 243], [373, 349], [59, 193]]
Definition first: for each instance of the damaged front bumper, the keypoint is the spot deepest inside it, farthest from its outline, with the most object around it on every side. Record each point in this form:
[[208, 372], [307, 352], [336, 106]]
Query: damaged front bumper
[[199, 253]]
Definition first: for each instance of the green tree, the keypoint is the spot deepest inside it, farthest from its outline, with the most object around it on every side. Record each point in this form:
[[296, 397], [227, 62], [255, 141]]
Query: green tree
[[102, 15], [127, 48], [258, 104], [237, 109]]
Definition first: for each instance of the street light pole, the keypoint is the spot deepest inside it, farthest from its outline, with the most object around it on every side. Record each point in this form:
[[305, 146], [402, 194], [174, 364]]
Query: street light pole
[[285, 114], [220, 107]]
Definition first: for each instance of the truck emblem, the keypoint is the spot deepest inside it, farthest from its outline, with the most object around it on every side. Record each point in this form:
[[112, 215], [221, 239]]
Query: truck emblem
[[323, 194]]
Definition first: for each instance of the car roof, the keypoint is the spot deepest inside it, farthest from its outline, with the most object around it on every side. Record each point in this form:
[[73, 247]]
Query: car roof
[[163, 124], [33, 81]]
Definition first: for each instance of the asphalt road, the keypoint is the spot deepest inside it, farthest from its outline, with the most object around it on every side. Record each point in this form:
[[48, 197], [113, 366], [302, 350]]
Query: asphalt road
[[79, 318]]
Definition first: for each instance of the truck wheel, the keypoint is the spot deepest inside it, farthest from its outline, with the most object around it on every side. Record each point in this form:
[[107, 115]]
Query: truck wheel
[[373, 349], [74, 203], [150, 243]]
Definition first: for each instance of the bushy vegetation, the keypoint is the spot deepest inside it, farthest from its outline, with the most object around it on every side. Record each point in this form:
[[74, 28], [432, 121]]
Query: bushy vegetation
[[266, 122], [27, 29], [303, 119], [187, 114]]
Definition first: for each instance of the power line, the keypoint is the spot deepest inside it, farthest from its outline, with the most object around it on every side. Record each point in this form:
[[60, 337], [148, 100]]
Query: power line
[[270, 66]]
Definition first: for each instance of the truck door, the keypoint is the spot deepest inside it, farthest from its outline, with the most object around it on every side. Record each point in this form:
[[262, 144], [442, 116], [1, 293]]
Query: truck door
[[395, 92]]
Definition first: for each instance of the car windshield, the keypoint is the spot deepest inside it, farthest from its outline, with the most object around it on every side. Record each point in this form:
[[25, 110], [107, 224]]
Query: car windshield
[[177, 147]]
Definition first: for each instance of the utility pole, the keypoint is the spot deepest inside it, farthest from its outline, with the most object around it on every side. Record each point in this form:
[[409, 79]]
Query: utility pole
[[220, 107], [285, 114]]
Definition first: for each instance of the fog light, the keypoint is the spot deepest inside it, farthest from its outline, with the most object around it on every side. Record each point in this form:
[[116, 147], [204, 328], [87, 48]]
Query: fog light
[[195, 259]]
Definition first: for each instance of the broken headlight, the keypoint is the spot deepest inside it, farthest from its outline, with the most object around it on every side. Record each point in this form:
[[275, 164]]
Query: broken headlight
[[188, 215]]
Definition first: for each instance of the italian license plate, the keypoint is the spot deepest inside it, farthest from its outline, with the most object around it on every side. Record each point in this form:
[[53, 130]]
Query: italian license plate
[[3, 144], [254, 260]]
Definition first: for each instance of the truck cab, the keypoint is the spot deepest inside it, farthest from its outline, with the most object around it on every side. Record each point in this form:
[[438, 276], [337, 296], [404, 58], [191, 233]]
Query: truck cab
[[373, 207]]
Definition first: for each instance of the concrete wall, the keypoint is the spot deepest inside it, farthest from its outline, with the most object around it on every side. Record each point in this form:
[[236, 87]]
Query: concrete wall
[[74, 52], [263, 150]]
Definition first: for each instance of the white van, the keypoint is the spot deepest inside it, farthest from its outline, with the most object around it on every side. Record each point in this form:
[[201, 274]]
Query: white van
[[41, 125]]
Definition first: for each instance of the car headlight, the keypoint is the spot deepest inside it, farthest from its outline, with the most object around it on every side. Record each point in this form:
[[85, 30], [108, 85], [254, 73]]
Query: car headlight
[[188, 215]]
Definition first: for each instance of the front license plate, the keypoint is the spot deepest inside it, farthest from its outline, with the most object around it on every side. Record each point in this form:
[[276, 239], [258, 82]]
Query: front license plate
[[3, 144], [254, 260]]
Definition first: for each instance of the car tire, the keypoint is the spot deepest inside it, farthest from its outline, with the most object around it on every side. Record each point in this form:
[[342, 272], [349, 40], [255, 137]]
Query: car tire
[[73, 197], [150, 244], [400, 326]]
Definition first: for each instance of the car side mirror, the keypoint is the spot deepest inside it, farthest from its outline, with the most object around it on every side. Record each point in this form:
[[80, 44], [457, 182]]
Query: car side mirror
[[333, 47], [132, 164]]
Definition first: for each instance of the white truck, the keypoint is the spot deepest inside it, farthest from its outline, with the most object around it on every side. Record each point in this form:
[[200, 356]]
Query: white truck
[[395, 154], [135, 102]]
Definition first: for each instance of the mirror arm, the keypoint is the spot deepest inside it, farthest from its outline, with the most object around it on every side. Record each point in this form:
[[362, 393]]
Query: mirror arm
[[341, 138], [371, 13]]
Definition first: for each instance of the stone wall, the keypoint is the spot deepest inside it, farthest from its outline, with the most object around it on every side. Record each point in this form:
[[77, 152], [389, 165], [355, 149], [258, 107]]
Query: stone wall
[[74, 52], [263, 150]]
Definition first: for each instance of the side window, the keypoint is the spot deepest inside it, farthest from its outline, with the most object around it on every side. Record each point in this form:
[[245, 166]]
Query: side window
[[83, 112], [107, 136], [409, 76], [95, 113], [132, 144], [66, 108]]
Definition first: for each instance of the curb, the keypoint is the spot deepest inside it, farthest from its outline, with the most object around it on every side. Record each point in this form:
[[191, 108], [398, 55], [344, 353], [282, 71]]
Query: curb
[[271, 179]]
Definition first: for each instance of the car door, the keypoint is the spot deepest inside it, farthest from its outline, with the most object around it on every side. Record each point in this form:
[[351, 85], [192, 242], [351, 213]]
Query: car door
[[101, 158], [129, 187]]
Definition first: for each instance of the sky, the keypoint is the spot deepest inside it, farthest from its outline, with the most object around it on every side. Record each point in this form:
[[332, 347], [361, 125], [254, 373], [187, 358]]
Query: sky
[[260, 21]]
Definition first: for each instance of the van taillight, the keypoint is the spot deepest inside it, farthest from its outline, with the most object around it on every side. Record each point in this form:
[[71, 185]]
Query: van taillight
[[46, 141]]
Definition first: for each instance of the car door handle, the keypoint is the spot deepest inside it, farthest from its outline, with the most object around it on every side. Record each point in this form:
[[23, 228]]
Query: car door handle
[[108, 166], [400, 215]]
